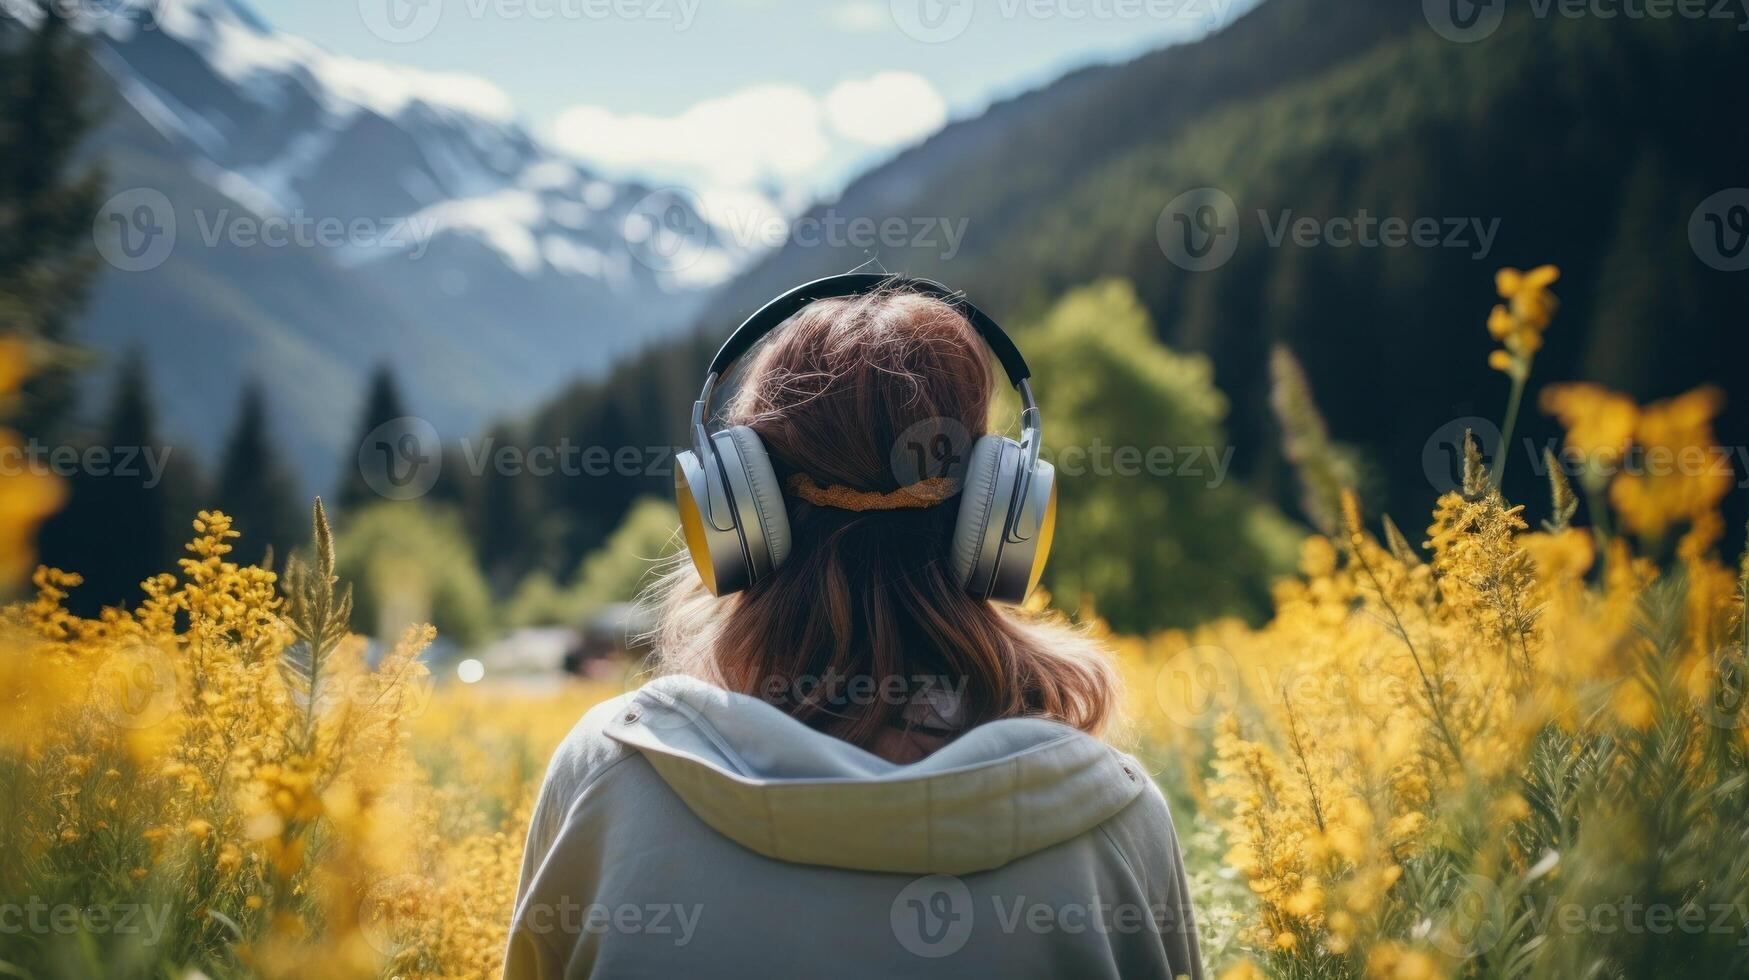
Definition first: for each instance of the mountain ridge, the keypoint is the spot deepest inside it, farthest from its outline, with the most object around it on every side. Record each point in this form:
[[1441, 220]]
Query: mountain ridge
[[246, 132]]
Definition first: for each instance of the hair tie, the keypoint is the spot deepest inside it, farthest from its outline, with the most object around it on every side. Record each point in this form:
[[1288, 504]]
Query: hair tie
[[924, 493]]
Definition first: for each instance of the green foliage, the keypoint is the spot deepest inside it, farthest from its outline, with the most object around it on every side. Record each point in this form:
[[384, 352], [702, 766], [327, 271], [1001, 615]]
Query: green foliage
[[47, 200], [119, 522], [1563, 502], [410, 562], [1140, 531], [319, 617], [382, 403], [615, 572], [1325, 469], [1326, 110], [253, 484]]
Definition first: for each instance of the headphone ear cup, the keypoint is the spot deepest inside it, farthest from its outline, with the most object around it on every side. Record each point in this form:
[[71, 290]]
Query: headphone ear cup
[[715, 551], [759, 503], [1025, 551], [984, 497]]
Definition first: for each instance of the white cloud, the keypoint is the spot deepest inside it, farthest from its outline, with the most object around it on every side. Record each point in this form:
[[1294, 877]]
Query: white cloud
[[740, 138], [887, 109], [769, 138]]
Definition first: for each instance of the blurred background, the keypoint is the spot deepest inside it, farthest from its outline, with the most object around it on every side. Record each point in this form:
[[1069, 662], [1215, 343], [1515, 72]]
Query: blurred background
[[456, 265]]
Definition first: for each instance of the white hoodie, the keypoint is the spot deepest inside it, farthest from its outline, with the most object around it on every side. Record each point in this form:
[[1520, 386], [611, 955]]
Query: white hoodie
[[684, 831]]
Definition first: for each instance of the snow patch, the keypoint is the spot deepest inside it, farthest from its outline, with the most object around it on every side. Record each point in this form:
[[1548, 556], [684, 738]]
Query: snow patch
[[571, 258], [258, 59], [549, 175], [503, 221]]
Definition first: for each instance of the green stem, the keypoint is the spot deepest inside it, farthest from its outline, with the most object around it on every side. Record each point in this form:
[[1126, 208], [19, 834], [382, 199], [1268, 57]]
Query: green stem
[[1512, 405], [1597, 508], [1434, 703]]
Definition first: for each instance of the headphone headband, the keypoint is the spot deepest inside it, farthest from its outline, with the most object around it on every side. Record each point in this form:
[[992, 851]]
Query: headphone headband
[[732, 507], [770, 316]]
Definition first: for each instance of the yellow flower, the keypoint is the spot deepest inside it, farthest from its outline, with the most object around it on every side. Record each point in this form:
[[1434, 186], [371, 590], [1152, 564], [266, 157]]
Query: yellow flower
[[1682, 474], [1528, 293], [1243, 970], [1518, 324], [1599, 423], [1563, 556], [1500, 323], [1391, 961]]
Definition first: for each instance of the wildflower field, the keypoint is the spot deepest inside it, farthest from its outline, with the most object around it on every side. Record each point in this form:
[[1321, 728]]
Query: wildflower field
[[1505, 742]]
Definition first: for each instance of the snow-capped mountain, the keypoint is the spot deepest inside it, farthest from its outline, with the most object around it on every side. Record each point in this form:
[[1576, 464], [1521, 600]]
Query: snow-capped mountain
[[329, 213]]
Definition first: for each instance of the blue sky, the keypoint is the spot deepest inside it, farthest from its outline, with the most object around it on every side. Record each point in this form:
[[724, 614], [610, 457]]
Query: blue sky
[[791, 94]]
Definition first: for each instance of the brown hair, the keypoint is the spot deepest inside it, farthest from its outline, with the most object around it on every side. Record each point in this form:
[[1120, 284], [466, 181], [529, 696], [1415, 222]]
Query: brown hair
[[869, 594]]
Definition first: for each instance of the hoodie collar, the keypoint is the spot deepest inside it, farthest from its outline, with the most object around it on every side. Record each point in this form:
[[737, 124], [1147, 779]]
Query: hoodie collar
[[772, 784]]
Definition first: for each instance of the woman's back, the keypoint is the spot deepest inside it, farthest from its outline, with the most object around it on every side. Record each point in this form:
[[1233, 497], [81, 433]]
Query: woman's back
[[909, 778], [687, 831]]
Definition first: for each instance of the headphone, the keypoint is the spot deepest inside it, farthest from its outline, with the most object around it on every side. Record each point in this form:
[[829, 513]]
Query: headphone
[[732, 506]]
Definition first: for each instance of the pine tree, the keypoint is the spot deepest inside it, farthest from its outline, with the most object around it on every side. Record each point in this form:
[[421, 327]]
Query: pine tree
[[254, 486], [47, 256], [120, 524], [382, 403], [504, 515]]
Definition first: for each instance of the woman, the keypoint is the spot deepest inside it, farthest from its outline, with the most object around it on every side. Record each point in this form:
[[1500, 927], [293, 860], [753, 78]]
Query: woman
[[854, 764]]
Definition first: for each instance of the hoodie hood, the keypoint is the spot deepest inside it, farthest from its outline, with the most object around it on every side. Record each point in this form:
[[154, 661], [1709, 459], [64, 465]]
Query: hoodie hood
[[768, 782]]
